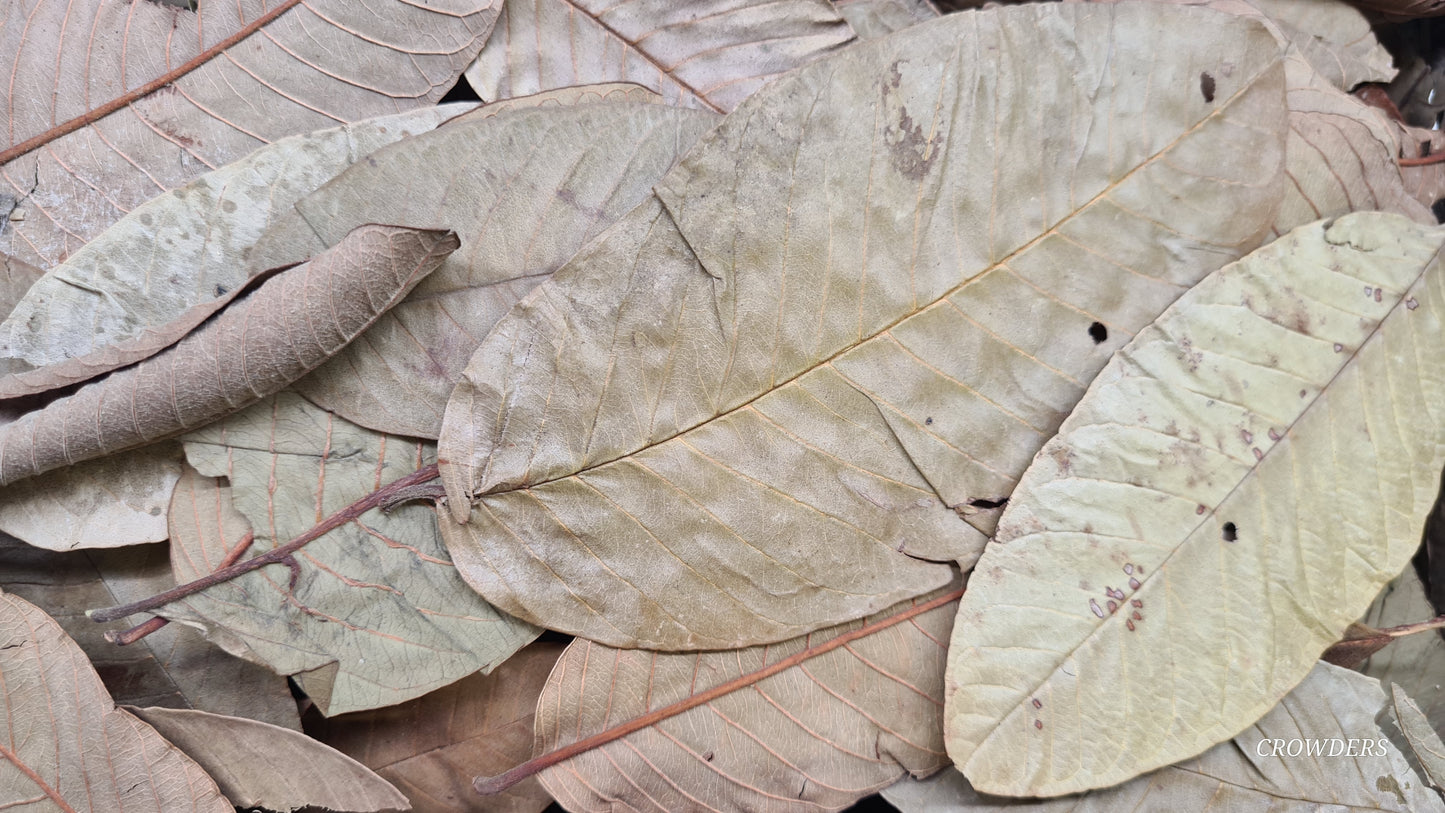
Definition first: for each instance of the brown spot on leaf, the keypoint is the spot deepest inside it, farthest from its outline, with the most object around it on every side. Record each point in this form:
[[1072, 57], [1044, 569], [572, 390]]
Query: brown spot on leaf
[[1095, 608], [910, 150], [1038, 704], [1136, 602], [1039, 724], [1411, 303]]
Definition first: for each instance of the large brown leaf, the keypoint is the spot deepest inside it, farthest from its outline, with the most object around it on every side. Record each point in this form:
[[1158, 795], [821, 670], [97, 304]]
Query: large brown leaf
[[285, 328], [432, 746], [707, 53], [818, 735], [377, 614], [117, 102], [758, 402], [539, 184], [65, 746], [173, 667]]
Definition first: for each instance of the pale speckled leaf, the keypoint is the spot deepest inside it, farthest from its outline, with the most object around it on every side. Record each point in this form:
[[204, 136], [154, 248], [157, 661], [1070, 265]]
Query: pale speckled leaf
[[757, 404], [1242, 479], [161, 94], [177, 253], [1426, 183], [817, 736], [708, 53], [104, 503], [431, 747], [1416, 663], [1243, 775], [285, 328], [75, 749], [1424, 742], [378, 614], [175, 666], [539, 184], [260, 765], [872, 19]]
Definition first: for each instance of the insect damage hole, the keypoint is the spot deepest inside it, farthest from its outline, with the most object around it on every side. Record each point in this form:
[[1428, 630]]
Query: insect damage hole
[[981, 502], [1231, 532], [1098, 333], [1206, 86]]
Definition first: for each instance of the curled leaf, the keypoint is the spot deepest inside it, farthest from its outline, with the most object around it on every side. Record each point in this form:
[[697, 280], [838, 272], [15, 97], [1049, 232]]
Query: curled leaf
[[287, 327]]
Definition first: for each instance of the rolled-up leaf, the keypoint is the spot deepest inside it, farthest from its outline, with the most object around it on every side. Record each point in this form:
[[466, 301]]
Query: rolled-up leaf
[[286, 328]]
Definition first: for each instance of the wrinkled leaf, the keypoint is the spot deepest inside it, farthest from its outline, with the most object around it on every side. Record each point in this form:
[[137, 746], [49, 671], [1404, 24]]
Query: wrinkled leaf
[[124, 101], [539, 183], [1414, 662], [260, 765], [709, 53], [173, 667], [753, 406], [1356, 646], [378, 614], [1425, 744], [871, 19], [1231, 494], [105, 503], [127, 293], [285, 328], [66, 746], [432, 746], [1332, 707], [818, 735]]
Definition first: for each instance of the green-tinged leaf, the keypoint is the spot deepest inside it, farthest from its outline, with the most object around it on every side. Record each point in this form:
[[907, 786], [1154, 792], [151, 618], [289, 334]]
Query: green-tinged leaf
[[260, 765], [431, 747], [759, 402], [816, 736], [287, 327], [378, 614], [129, 286], [872, 19], [175, 666], [65, 746], [1332, 712], [539, 183], [1425, 744], [709, 54], [1236, 487], [110, 104]]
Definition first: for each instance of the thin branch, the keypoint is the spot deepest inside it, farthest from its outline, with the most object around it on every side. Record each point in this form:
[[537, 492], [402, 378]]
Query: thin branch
[[488, 785], [279, 555], [152, 624], [1419, 626]]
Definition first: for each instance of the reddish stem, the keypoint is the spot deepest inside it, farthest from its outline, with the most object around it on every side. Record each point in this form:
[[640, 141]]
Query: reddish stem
[[270, 557], [150, 625], [488, 785], [1433, 158], [1410, 629]]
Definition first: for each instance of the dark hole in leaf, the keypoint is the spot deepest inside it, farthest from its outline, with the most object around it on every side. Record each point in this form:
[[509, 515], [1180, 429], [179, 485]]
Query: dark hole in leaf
[[1231, 532], [927, 421], [1438, 208], [1098, 333], [980, 502], [1206, 86], [221, 290], [460, 92]]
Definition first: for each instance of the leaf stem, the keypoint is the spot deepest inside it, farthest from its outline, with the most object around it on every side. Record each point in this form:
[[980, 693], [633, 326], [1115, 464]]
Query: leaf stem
[[1419, 626], [488, 785], [274, 556], [154, 623], [1425, 160]]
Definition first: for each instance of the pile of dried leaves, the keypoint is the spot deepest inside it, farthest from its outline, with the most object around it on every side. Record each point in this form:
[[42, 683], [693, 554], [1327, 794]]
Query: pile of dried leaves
[[1014, 403]]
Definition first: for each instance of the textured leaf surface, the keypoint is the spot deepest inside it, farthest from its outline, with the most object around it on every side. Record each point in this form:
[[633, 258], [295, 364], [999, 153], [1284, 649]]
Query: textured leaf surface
[[756, 403], [539, 183], [123, 101], [871, 19], [285, 328], [173, 667], [1243, 478], [710, 54], [176, 254], [431, 747], [1414, 662], [1424, 742], [260, 765], [378, 614], [818, 735], [1242, 775], [65, 744]]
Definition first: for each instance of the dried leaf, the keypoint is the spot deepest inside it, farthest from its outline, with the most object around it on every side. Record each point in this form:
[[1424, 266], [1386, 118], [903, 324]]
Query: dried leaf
[[540, 183], [260, 765], [377, 614], [105, 503], [173, 667], [1356, 646], [1426, 183], [1330, 710], [1424, 743], [818, 735], [1414, 662], [133, 99], [871, 19], [70, 746], [287, 327], [177, 255], [1243, 478], [709, 54], [809, 304], [432, 746]]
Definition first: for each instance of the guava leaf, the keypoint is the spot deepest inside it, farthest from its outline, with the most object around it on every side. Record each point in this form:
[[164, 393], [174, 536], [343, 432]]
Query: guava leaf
[[756, 405], [872, 19], [1230, 495], [1424, 742]]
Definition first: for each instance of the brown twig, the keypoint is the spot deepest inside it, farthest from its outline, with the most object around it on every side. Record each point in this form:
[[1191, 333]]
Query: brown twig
[[270, 557], [488, 785], [1433, 158], [1419, 626], [150, 625]]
